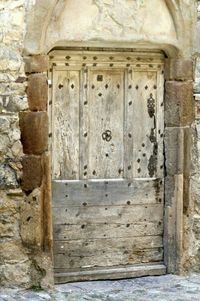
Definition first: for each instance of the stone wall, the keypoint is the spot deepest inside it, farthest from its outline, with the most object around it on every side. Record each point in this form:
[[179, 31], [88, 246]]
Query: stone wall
[[21, 256], [15, 263], [24, 259], [193, 222]]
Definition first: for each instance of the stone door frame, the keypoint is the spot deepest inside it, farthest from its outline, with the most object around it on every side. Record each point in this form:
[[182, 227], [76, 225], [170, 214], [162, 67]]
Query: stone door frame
[[179, 114]]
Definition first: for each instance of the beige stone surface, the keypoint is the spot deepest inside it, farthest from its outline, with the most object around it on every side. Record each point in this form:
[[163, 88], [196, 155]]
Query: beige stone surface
[[31, 220], [37, 92], [34, 27], [34, 132]]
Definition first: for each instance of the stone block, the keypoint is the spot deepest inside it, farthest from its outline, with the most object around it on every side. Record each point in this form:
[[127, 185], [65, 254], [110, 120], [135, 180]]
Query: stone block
[[43, 262], [47, 195], [36, 63], [179, 103], [15, 264], [178, 69], [174, 150], [34, 132], [32, 172], [37, 92], [31, 228]]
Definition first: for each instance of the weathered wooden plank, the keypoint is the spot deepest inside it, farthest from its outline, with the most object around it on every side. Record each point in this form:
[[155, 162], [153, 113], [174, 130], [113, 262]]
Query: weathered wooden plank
[[145, 117], [108, 56], [107, 252], [129, 123], [84, 125], [129, 271], [160, 123], [101, 214], [112, 192], [123, 256], [86, 247], [107, 230], [65, 120], [106, 121]]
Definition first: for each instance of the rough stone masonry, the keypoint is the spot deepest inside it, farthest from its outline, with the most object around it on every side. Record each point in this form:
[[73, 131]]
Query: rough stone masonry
[[24, 170]]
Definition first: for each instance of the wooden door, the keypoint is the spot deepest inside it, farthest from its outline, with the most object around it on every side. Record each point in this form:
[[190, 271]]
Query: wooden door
[[107, 156]]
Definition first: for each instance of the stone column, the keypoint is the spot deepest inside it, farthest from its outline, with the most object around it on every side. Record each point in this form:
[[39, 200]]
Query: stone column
[[36, 226], [179, 114]]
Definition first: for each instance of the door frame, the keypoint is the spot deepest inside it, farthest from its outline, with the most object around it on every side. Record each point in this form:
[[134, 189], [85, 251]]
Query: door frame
[[177, 141]]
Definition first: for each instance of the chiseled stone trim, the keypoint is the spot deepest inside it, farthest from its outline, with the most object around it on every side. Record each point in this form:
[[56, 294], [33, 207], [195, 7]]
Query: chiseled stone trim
[[32, 172], [37, 92], [34, 132], [178, 69], [36, 63], [179, 103]]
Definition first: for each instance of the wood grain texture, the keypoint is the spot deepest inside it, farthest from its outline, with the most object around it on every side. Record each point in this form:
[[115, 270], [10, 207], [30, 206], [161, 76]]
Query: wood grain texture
[[106, 122], [112, 214], [106, 230], [65, 122], [144, 129], [107, 127], [109, 192], [107, 252], [115, 272]]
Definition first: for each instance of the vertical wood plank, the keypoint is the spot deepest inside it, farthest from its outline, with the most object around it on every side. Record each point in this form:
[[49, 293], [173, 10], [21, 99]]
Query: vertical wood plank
[[106, 110], [145, 122], [65, 124]]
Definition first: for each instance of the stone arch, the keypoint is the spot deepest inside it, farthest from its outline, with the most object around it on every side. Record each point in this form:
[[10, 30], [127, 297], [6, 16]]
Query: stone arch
[[41, 15]]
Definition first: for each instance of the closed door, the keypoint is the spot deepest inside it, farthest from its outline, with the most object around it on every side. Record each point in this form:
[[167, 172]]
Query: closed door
[[107, 157]]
